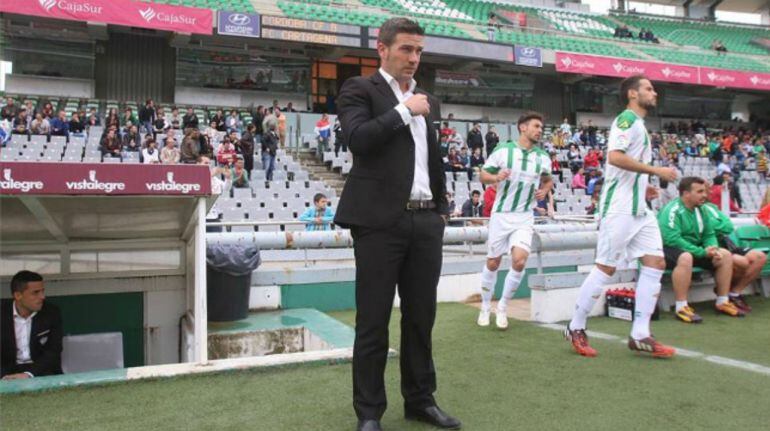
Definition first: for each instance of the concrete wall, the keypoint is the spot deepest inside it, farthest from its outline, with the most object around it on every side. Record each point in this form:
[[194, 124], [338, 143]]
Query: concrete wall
[[222, 97], [49, 86]]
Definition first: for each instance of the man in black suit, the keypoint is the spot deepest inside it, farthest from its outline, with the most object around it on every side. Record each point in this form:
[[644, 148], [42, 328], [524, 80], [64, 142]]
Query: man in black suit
[[395, 206], [30, 331]]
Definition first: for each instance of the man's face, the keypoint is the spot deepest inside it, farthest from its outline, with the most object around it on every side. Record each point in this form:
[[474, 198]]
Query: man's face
[[32, 296], [402, 57], [646, 96], [532, 130], [475, 199], [321, 204], [696, 196]]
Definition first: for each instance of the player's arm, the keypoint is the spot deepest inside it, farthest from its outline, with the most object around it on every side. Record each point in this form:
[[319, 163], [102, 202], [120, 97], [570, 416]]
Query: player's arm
[[620, 159], [546, 184], [492, 172]]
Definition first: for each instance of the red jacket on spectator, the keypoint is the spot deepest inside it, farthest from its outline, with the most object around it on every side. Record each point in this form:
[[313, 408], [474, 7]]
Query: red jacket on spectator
[[716, 198], [226, 155], [591, 160], [489, 199]]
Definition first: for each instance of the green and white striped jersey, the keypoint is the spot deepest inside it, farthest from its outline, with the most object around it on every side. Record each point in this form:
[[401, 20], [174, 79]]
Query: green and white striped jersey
[[517, 193], [624, 191]]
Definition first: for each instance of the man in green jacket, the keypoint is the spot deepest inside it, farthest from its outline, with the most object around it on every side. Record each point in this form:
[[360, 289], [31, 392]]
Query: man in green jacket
[[689, 240], [747, 264]]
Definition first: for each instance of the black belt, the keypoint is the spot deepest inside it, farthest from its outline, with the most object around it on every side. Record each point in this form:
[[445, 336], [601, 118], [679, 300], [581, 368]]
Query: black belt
[[420, 205]]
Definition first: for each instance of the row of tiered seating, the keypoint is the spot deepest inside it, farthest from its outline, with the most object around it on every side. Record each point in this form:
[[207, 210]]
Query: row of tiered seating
[[244, 6], [301, 10], [701, 34], [706, 58], [562, 43]]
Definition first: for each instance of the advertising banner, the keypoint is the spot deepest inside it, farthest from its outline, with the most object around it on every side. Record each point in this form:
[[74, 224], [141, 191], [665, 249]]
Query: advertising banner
[[237, 24], [528, 56]]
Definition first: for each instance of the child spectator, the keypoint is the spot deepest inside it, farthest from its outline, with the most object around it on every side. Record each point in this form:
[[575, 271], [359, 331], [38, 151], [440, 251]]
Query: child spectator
[[319, 216]]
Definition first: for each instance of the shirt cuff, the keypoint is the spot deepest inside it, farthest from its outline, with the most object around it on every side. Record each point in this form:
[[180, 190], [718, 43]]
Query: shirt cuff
[[406, 117], [29, 374]]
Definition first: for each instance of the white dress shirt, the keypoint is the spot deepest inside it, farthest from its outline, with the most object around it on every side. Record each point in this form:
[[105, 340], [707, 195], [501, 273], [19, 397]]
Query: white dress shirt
[[23, 329], [419, 129]]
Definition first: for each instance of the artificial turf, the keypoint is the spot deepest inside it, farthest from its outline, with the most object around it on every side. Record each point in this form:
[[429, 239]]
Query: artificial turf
[[526, 378]]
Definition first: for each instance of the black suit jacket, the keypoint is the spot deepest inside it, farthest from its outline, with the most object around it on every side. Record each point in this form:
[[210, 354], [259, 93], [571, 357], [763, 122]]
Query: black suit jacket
[[45, 341], [380, 182]]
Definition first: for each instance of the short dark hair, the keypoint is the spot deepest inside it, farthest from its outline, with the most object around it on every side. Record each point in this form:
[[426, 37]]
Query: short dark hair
[[475, 193], [318, 197], [394, 26], [526, 117], [630, 83], [20, 280], [685, 185]]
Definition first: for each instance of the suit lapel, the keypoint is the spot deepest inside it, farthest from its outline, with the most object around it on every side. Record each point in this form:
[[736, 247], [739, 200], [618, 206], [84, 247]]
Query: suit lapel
[[384, 88]]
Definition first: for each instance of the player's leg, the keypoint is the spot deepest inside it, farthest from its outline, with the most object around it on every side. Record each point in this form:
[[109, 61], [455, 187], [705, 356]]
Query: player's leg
[[723, 272], [746, 269], [488, 282], [519, 255]]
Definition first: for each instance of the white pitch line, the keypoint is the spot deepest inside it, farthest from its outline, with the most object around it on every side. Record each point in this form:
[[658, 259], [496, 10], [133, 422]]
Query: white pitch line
[[719, 360]]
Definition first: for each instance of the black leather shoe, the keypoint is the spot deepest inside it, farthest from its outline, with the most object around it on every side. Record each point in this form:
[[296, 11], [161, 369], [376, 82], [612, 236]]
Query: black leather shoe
[[369, 425], [434, 416]]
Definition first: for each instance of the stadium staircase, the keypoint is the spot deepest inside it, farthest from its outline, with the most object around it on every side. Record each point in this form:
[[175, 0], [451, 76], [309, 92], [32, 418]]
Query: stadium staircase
[[321, 171]]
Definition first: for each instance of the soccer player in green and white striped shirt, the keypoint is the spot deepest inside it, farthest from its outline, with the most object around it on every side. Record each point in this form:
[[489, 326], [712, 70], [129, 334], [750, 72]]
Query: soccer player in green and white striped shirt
[[522, 172], [627, 230]]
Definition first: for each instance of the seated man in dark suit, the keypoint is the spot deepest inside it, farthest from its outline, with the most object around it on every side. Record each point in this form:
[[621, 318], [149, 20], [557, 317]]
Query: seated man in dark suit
[[30, 331]]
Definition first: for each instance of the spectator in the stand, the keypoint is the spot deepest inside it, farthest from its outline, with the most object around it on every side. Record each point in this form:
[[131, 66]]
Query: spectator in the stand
[[446, 130], [762, 164], [718, 46], [161, 124], [577, 137], [218, 185], [269, 120], [176, 119], [40, 125], [93, 120], [574, 158], [715, 194], [591, 160], [20, 124], [691, 150], [290, 107], [556, 168], [595, 198], [270, 142], [233, 122], [210, 132], [132, 141], [227, 154], [595, 176], [219, 121], [492, 139], [59, 125], [256, 119], [492, 27], [319, 216], [170, 153], [490, 193], [76, 126], [339, 138], [475, 138], [545, 207], [454, 162], [245, 147], [128, 119], [47, 111], [190, 120], [147, 115], [10, 111], [150, 154], [323, 132], [110, 144], [190, 149], [578, 180], [281, 126], [275, 106], [591, 129], [31, 331], [477, 160], [473, 207], [238, 174], [112, 119]]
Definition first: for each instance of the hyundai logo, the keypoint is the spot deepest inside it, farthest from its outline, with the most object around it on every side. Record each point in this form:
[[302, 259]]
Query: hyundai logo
[[239, 19], [528, 52]]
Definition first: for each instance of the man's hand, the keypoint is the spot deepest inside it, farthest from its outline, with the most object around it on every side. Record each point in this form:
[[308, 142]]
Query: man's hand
[[418, 104], [17, 376], [540, 194], [713, 253], [651, 193], [541, 211], [318, 220], [503, 175], [668, 174]]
